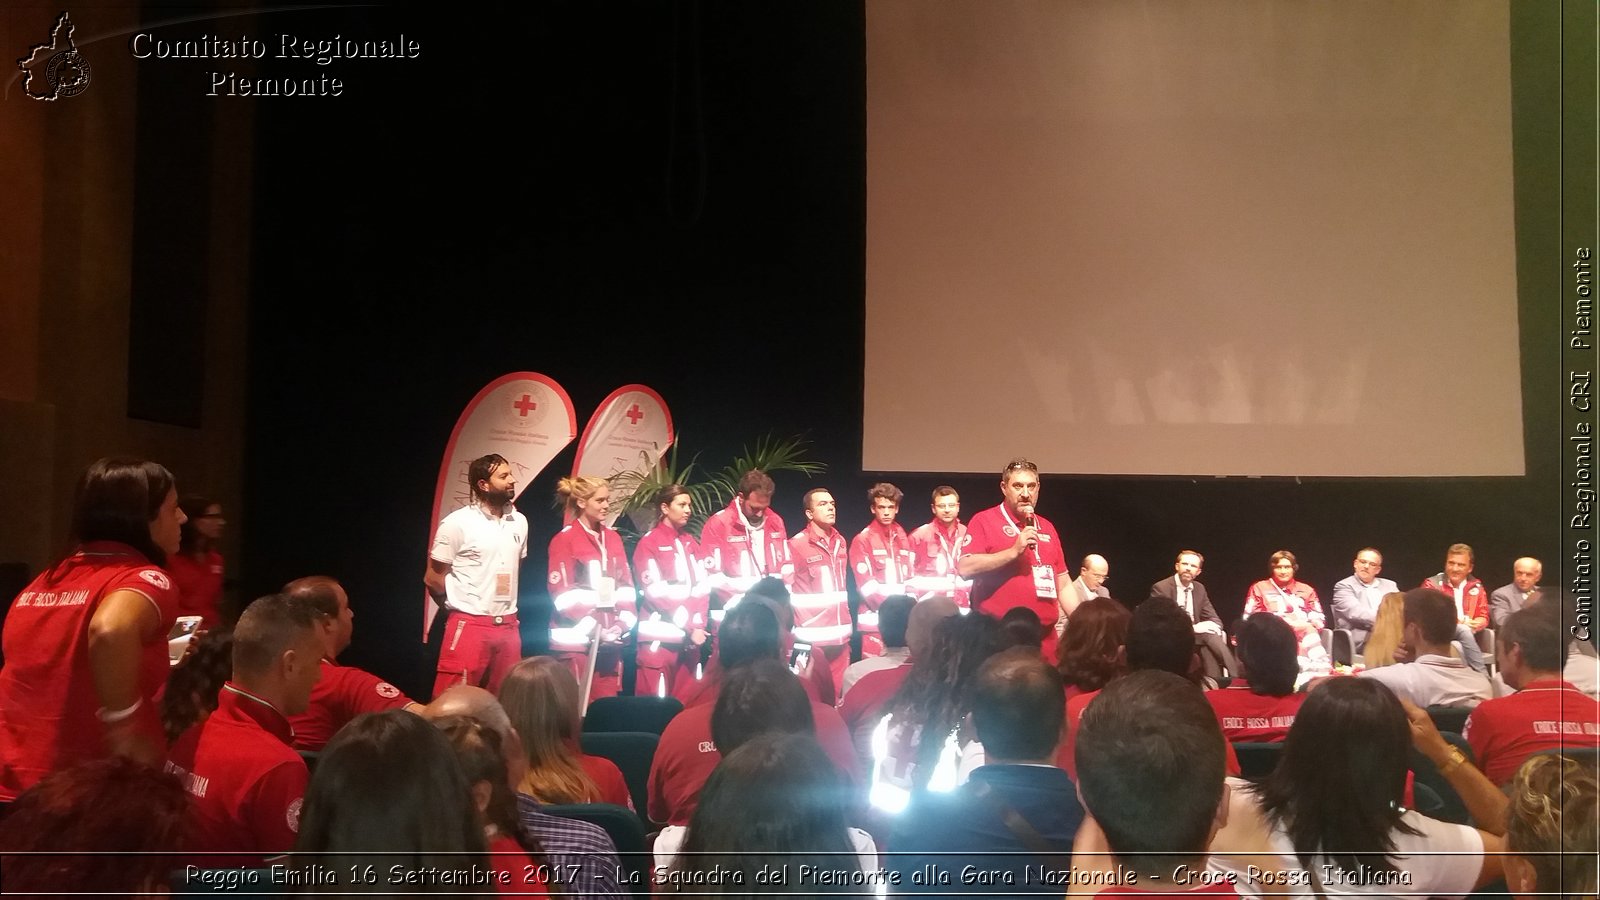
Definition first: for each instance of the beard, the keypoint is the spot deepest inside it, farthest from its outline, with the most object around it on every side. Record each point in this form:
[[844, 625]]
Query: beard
[[496, 497]]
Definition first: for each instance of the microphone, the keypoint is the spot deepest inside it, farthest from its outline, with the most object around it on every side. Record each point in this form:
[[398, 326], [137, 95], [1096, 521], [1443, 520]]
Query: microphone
[[1027, 512]]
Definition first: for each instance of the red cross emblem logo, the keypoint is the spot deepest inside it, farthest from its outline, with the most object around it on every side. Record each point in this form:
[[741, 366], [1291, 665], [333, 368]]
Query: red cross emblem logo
[[525, 406], [634, 414]]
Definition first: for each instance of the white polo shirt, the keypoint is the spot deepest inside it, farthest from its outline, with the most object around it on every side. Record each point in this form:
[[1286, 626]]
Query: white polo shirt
[[1435, 681], [484, 552]]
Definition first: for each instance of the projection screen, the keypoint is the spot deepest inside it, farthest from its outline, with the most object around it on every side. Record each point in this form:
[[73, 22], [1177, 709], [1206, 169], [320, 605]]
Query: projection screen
[[1197, 237]]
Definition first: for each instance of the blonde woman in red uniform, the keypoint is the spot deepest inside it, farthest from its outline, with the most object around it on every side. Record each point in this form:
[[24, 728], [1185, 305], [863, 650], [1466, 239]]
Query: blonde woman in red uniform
[[590, 585], [676, 596]]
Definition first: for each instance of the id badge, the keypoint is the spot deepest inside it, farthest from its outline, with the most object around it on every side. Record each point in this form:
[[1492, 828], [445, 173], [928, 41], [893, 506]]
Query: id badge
[[605, 590], [502, 584], [1044, 582]]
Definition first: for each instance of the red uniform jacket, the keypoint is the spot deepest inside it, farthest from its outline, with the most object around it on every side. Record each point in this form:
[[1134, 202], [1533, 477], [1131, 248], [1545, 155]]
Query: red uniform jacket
[[725, 551], [935, 552], [576, 555], [1474, 599], [821, 606], [671, 579], [882, 561]]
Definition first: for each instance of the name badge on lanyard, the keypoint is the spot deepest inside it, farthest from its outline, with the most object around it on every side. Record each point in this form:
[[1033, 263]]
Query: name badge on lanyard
[[1044, 582], [502, 584]]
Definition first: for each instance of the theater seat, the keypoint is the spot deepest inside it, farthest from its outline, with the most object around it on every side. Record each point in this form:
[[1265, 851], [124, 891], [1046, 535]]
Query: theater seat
[[1342, 647], [631, 714], [1486, 644], [1451, 719], [632, 751], [1451, 807], [1257, 759]]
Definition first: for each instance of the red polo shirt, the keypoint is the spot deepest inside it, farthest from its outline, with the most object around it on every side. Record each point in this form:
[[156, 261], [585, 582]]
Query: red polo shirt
[[47, 696], [1544, 715], [1011, 585], [246, 782], [1247, 716], [1065, 757], [341, 694]]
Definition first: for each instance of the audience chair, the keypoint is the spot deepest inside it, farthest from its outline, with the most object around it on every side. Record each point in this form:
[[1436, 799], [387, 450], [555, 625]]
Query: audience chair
[[1584, 756], [1449, 719], [632, 751], [627, 833], [1486, 644], [1450, 808], [1342, 647], [1257, 759], [631, 714]]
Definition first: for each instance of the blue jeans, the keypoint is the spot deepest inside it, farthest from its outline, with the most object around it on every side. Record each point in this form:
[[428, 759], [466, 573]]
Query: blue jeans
[[1470, 654]]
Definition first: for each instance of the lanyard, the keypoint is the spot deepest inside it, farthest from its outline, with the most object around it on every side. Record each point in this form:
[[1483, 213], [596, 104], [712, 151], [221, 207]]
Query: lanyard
[[685, 572], [949, 550], [750, 532], [1037, 556], [599, 544]]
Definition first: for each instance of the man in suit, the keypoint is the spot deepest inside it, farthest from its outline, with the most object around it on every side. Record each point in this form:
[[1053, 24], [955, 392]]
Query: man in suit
[[1190, 595], [1523, 589], [1090, 583], [1356, 599]]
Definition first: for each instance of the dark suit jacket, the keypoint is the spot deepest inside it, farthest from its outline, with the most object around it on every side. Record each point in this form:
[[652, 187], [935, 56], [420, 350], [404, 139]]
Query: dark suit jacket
[[1203, 612], [949, 831]]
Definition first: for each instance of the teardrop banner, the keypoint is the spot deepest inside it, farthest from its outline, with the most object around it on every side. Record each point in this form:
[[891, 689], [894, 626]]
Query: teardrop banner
[[525, 417], [630, 432]]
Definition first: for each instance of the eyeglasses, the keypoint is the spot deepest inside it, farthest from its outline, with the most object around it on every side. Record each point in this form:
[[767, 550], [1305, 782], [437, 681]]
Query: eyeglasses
[[1020, 464]]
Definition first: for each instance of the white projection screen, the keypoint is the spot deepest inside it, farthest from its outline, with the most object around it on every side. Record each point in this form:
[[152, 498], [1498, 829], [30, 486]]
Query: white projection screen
[[1193, 237]]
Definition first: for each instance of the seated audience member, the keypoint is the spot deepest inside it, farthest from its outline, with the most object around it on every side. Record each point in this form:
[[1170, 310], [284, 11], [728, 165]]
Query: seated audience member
[[893, 616], [1151, 772], [687, 753], [581, 854], [540, 694], [1159, 637], [1016, 801], [1433, 677], [1523, 589], [343, 692], [126, 818], [513, 852], [863, 706], [1021, 626], [1090, 583], [1262, 703], [1293, 601], [1553, 829], [1388, 632], [915, 745], [1334, 804], [1185, 589], [388, 793], [1091, 651], [1545, 712], [191, 691], [1356, 598], [246, 780], [760, 698], [777, 800]]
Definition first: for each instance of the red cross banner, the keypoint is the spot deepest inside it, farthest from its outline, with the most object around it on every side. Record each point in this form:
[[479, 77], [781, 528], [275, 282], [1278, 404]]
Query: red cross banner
[[525, 417], [630, 432]]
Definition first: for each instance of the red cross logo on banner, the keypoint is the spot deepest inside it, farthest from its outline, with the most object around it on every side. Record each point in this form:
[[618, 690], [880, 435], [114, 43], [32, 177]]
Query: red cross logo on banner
[[525, 406], [634, 414]]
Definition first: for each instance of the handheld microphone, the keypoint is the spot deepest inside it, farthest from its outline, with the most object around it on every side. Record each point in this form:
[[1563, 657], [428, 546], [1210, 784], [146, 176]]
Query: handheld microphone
[[1027, 512]]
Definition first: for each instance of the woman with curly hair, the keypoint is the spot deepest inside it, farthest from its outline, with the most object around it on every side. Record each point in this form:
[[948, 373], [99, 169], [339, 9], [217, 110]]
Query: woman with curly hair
[[1091, 651], [191, 692], [1553, 828], [915, 746]]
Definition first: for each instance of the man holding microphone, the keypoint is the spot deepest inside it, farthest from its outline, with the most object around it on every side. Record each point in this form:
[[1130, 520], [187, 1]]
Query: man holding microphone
[[1015, 557]]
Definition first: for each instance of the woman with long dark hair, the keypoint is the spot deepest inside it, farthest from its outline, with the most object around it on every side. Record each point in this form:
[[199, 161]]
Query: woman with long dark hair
[[388, 796], [86, 641], [515, 853], [1333, 805], [191, 693], [912, 746], [197, 566], [1090, 653], [675, 610]]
